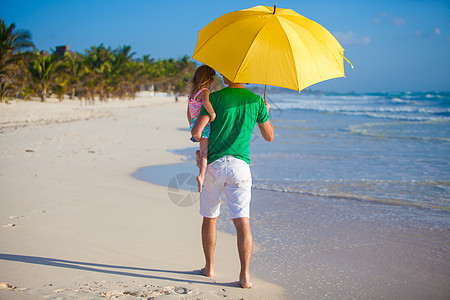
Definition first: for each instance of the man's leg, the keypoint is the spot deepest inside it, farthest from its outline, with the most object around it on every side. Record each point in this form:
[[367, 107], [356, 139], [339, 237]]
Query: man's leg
[[245, 248], [209, 244]]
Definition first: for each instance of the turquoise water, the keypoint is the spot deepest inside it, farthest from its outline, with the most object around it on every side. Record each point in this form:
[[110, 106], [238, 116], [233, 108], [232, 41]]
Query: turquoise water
[[392, 148]]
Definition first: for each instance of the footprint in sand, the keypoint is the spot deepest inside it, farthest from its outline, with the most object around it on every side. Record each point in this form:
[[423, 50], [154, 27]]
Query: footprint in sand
[[6, 286], [147, 294], [61, 290], [180, 290], [159, 292], [220, 293], [15, 217], [9, 225]]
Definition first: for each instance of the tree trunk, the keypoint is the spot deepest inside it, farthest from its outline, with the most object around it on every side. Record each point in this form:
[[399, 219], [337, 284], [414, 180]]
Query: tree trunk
[[44, 94], [91, 97], [72, 93]]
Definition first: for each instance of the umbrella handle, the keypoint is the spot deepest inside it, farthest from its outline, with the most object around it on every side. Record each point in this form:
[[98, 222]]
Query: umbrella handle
[[265, 102]]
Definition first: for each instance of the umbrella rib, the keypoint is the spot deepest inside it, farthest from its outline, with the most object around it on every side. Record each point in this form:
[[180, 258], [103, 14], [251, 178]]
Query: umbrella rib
[[293, 57], [222, 28], [310, 54], [251, 44], [324, 45], [319, 26]]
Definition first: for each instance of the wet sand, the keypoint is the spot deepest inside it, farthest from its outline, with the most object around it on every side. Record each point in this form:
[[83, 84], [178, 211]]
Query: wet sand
[[322, 248]]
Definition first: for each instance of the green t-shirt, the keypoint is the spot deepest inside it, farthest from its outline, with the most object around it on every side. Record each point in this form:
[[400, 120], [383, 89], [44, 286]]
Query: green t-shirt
[[238, 110]]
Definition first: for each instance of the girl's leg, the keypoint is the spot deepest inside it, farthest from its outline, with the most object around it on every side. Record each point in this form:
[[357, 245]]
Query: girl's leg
[[197, 158], [203, 161]]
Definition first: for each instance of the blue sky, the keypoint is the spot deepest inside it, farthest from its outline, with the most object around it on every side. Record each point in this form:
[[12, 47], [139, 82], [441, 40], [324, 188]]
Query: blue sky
[[396, 45]]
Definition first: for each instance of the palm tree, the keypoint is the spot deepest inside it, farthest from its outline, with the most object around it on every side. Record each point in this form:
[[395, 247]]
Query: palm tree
[[185, 69], [61, 79], [12, 43], [147, 70], [42, 71], [126, 74], [135, 77], [59, 85], [98, 63], [182, 63], [123, 54], [75, 69]]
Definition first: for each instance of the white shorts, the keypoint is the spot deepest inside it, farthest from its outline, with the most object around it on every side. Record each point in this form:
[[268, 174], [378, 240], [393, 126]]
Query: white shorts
[[233, 176]]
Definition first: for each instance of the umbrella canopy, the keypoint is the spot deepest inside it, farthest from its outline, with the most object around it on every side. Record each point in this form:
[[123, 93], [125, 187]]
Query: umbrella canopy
[[272, 46]]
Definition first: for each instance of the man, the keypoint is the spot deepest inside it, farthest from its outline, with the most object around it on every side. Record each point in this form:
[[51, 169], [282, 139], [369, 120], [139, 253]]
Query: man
[[237, 111]]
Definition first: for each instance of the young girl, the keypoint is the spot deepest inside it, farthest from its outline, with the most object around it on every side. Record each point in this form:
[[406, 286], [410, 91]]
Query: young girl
[[201, 83]]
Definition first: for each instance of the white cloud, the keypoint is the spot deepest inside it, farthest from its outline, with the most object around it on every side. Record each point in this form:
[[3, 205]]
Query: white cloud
[[398, 21], [351, 38], [394, 20], [366, 40], [435, 33]]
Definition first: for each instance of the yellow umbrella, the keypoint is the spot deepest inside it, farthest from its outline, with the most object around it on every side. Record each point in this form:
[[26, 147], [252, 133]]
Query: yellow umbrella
[[271, 46]]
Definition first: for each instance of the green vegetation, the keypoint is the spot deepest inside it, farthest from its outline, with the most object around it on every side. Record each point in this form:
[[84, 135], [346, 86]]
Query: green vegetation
[[12, 59], [100, 72]]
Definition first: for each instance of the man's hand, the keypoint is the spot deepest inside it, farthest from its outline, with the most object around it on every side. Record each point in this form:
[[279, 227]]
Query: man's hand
[[213, 117], [267, 105]]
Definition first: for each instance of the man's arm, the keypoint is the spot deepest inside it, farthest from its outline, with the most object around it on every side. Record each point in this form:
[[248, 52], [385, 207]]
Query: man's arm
[[196, 132], [266, 129]]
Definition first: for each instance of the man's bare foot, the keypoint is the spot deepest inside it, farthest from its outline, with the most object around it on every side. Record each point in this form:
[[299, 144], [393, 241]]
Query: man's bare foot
[[244, 281], [197, 158], [245, 285], [207, 273]]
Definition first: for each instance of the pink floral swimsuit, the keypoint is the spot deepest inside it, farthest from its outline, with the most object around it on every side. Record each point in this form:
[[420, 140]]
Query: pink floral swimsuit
[[194, 109]]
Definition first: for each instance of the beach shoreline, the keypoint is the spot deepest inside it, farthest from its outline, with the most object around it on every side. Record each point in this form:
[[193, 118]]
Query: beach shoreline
[[75, 224], [341, 213], [321, 248]]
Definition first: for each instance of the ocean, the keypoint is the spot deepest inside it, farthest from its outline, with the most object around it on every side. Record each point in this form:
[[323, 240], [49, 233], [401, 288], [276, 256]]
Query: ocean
[[344, 172], [392, 148]]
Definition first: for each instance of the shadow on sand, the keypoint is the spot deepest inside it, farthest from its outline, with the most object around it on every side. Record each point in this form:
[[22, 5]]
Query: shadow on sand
[[114, 269]]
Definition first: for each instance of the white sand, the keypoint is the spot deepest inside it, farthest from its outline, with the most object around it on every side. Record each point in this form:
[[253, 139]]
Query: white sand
[[75, 225]]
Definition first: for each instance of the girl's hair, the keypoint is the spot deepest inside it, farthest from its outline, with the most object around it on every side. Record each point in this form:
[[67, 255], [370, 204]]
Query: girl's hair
[[202, 76]]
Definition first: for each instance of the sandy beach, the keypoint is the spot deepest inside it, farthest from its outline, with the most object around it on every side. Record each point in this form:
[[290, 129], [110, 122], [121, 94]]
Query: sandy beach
[[76, 225]]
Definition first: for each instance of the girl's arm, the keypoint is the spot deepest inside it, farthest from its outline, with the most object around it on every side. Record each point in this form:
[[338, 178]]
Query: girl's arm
[[201, 123], [188, 115], [208, 105]]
